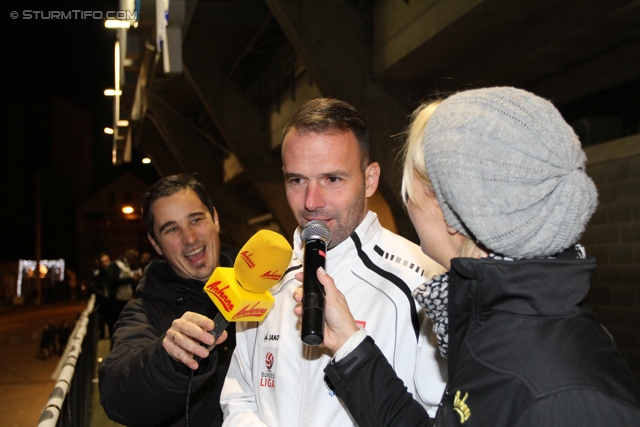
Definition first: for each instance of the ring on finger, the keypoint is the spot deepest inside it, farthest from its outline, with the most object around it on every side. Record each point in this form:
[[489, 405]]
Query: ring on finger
[[174, 337]]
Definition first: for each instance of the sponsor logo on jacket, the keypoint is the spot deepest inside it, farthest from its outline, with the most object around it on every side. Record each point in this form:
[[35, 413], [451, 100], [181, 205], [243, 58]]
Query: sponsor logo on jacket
[[268, 361], [268, 378], [461, 408], [271, 337]]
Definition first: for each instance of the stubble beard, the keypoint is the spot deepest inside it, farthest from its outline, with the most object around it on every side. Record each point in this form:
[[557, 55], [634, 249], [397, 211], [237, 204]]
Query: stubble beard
[[343, 225]]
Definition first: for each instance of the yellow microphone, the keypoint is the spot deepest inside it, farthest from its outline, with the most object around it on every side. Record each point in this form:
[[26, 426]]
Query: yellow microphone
[[241, 292]]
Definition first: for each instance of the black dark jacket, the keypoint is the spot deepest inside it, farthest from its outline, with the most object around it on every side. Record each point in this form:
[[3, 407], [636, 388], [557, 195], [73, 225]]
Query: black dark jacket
[[140, 384], [523, 351]]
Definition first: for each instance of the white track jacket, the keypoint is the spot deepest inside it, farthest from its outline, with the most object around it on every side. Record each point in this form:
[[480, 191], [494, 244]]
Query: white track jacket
[[277, 380]]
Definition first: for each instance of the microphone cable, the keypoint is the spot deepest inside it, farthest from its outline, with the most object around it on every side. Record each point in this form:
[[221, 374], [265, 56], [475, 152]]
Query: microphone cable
[[186, 408], [220, 324]]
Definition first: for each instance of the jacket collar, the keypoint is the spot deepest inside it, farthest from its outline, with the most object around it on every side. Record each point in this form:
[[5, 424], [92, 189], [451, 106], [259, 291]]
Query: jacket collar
[[534, 287], [366, 230]]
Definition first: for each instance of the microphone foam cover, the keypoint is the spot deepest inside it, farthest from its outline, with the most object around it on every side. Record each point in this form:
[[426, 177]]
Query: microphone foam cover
[[262, 261], [235, 303]]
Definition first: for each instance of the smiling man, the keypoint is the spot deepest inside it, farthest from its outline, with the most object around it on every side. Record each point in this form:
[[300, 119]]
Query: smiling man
[[276, 380], [144, 379]]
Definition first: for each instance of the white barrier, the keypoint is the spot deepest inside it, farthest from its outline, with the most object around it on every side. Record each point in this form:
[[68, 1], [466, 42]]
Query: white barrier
[[66, 368]]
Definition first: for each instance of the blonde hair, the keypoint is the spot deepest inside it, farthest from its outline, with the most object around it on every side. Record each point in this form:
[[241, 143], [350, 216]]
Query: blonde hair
[[415, 166], [412, 154]]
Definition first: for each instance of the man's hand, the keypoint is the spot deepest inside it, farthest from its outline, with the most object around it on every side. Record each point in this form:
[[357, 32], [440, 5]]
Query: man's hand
[[183, 340], [339, 322]]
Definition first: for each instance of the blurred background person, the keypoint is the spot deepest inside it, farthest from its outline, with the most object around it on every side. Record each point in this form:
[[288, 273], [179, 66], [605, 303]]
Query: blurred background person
[[99, 286], [145, 259], [123, 277], [64, 332], [47, 339]]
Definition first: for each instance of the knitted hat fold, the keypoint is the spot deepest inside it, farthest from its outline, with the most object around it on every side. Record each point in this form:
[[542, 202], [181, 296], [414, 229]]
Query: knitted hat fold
[[508, 171]]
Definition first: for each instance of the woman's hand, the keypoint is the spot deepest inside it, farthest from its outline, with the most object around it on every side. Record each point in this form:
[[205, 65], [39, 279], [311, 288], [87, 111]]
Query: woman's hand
[[339, 322]]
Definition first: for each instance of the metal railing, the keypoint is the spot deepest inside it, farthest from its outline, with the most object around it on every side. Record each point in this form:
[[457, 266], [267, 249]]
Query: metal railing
[[69, 403]]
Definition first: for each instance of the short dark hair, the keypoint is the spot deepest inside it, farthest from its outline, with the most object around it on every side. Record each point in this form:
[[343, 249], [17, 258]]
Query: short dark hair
[[168, 186], [326, 115], [131, 253]]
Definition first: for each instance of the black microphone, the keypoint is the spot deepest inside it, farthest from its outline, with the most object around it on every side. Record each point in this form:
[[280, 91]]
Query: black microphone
[[315, 237]]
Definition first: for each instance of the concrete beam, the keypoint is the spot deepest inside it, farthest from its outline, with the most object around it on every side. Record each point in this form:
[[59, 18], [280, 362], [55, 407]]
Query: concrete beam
[[151, 143], [195, 154], [615, 67], [236, 12], [545, 39], [332, 39], [450, 45], [400, 28], [243, 128]]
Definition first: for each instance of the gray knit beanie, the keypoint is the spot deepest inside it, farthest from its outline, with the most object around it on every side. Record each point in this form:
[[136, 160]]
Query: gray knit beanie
[[508, 171]]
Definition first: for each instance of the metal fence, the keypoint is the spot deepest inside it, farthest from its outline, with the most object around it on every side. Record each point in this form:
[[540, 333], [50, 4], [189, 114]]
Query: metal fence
[[69, 403]]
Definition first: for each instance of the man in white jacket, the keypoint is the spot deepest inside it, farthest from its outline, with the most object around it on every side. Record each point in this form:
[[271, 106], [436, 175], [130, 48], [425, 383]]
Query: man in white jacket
[[274, 378]]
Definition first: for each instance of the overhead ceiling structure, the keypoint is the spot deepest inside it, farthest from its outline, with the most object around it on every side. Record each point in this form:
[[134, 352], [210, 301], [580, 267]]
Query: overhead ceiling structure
[[247, 65]]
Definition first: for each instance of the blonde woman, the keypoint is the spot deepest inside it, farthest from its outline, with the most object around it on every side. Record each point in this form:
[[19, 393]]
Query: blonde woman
[[495, 186]]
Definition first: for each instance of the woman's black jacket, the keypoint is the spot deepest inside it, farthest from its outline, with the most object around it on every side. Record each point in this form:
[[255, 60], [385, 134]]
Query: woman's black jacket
[[523, 351]]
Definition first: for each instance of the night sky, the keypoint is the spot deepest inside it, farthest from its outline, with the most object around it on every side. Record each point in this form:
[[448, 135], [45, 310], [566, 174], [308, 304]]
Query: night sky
[[67, 58], [72, 58]]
